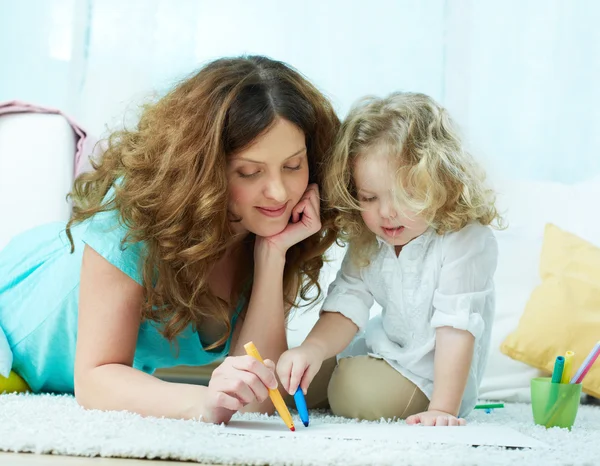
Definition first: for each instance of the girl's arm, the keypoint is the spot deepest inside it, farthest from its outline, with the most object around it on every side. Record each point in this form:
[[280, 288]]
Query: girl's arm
[[345, 310], [452, 362], [332, 333], [462, 302]]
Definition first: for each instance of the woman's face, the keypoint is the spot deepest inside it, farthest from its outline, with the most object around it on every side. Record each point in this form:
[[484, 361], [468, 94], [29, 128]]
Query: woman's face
[[268, 179]]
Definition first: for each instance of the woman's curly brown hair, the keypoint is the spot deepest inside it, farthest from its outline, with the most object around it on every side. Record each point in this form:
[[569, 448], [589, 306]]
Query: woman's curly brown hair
[[170, 184]]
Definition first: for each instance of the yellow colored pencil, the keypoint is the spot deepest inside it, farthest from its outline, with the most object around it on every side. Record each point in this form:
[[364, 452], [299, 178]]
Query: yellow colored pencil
[[568, 368], [274, 394]]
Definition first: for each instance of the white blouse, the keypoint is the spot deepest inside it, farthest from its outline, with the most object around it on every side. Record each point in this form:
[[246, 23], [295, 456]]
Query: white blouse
[[436, 281]]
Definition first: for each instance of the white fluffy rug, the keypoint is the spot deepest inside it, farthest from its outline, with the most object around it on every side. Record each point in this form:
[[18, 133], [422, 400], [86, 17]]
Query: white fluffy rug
[[56, 424]]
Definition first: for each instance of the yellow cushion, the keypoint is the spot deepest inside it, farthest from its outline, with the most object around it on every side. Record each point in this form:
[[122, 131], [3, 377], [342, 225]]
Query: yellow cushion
[[563, 312]]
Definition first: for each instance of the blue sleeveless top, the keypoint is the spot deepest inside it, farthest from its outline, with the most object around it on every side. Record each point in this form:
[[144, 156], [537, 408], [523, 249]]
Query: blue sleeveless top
[[39, 298]]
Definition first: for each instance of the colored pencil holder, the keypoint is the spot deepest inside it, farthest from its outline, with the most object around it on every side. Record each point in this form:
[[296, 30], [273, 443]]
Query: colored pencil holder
[[554, 404]]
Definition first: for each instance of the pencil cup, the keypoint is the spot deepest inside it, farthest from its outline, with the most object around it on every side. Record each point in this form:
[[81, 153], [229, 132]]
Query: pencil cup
[[554, 404]]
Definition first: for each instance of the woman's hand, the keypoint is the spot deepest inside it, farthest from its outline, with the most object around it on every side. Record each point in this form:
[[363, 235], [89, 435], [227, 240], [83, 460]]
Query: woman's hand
[[305, 222], [237, 382]]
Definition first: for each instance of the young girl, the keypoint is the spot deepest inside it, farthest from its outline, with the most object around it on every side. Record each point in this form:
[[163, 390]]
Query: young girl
[[414, 209], [194, 234]]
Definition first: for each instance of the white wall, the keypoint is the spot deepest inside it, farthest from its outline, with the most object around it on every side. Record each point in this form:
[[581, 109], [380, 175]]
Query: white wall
[[519, 76]]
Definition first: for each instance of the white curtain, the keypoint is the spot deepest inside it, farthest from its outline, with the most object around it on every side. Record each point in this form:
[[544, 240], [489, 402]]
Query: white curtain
[[523, 76], [520, 77]]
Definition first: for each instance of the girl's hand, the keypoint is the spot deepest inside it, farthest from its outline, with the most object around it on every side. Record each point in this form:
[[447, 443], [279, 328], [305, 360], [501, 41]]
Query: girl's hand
[[237, 382], [305, 222], [298, 366], [435, 418]]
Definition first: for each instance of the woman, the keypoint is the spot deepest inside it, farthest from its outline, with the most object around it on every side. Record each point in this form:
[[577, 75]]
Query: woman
[[195, 233]]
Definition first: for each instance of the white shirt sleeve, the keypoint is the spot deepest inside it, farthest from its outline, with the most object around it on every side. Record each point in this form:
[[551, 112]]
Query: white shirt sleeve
[[469, 259], [349, 295]]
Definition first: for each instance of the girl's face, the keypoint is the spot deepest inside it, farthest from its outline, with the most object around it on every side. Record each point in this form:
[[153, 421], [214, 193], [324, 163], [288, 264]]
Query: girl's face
[[374, 179], [268, 179]]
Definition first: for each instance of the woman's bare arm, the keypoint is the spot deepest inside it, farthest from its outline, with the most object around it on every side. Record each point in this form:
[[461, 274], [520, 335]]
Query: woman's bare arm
[[110, 305]]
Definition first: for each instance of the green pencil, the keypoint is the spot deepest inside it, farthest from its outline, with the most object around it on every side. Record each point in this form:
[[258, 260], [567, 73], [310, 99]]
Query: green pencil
[[490, 406]]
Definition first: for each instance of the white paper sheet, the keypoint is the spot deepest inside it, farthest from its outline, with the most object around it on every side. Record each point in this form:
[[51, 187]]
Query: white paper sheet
[[398, 433]]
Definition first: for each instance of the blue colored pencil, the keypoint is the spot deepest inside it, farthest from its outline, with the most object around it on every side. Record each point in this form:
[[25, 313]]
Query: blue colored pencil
[[301, 406]]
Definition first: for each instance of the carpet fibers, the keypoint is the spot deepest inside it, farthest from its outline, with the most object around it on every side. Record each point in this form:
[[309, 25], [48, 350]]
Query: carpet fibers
[[56, 424]]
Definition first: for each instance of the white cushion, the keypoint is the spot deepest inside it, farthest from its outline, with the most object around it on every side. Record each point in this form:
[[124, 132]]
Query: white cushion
[[36, 171]]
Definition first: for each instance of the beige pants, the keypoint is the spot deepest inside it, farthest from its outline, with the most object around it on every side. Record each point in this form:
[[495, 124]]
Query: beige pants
[[366, 388]]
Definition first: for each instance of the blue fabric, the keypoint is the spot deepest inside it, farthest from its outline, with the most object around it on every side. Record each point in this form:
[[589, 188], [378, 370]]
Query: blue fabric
[[39, 294]]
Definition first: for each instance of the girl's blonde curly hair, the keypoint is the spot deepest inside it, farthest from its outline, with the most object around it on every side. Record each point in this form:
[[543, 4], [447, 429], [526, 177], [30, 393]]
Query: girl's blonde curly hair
[[436, 178], [170, 182]]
